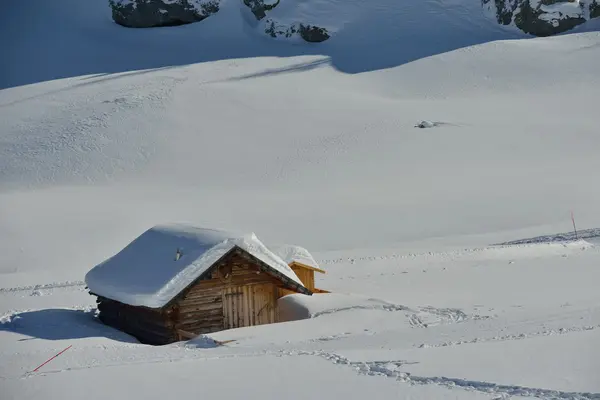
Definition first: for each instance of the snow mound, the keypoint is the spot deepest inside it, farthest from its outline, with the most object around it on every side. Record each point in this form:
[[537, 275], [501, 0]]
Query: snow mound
[[295, 307], [202, 342], [148, 272]]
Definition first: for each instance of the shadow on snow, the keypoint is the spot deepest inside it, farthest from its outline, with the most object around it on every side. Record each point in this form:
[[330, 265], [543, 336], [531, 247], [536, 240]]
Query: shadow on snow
[[61, 324], [85, 41]]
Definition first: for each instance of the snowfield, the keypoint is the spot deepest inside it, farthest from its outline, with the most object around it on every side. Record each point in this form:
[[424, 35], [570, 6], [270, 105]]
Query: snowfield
[[449, 251], [453, 325]]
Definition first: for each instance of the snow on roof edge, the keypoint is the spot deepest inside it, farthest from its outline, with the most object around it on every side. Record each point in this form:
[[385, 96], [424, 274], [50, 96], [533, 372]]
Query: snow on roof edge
[[293, 253]]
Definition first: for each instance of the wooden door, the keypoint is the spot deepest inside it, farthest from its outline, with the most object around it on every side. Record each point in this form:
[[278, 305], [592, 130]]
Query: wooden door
[[265, 301], [232, 302], [249, 305]]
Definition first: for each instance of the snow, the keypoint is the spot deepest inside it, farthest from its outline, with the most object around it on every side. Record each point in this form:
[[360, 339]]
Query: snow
[[449, 253], [290, 253], [558, 11], [148, 273], [505, 342]]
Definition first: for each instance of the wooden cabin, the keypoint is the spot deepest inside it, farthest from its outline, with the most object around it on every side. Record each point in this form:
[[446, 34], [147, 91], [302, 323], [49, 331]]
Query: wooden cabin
[[175, 282]]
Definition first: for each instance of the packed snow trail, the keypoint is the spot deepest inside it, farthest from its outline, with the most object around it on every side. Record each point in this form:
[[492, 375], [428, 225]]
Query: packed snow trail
[[42, 286]]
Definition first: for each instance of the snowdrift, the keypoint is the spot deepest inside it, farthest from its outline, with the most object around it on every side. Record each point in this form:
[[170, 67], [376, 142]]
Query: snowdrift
[[295, 307]]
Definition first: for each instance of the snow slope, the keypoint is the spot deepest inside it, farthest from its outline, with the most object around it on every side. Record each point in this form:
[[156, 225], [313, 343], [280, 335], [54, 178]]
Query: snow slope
[[535, 338], [217, 125], [88, 42]]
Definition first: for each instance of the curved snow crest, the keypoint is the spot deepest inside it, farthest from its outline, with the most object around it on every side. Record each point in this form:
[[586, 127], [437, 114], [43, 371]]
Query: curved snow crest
[[292, 253], [295, 307], [165, 259]]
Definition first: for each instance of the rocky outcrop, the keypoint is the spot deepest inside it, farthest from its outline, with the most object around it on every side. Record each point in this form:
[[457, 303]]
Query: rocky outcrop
[[313, 34], [260, 7], [309, 33], [275, 30], [153, 13], [543, 17], [595, 9]]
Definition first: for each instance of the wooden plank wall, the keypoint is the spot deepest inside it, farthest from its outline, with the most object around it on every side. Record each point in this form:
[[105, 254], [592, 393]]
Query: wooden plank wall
[[306, 276], [227, 300], [147, 325], [201, 310], [249, 305]]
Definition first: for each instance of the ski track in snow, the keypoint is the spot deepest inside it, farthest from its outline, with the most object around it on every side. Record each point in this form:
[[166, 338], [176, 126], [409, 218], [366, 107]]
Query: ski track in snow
[[386, 368], [389, 369]]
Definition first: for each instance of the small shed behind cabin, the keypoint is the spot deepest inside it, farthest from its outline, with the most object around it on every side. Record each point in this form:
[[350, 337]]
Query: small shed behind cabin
[[302, 263], [174, 282]]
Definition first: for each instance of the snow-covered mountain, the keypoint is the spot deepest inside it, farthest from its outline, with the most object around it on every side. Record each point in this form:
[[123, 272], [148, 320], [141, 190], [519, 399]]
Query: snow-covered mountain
[[107, 130], [543, 17], [289, 18]]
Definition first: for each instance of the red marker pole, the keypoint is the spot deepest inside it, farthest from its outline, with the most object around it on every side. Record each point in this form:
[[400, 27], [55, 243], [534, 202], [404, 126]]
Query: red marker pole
[[574, 227], [52, 358]]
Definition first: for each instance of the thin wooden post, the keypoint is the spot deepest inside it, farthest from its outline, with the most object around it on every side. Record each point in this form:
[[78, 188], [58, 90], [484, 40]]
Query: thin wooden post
[[574, 227]]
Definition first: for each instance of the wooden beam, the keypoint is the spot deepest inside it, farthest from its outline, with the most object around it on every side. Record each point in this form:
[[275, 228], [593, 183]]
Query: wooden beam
[[186, 334], [301, 265]]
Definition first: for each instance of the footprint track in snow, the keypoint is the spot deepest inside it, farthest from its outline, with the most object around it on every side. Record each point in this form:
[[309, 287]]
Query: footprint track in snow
[[391, 369], [519, 336], [48, 287]]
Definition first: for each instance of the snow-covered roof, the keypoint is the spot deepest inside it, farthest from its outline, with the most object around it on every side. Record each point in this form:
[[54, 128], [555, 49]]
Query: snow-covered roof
[[145, 272], [290, 253]]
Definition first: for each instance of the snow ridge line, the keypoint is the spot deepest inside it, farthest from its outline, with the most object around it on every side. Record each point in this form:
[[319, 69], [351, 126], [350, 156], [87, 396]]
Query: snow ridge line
[[521, 336], [452, 253], [559, 237], [54, 285], [390, 369]]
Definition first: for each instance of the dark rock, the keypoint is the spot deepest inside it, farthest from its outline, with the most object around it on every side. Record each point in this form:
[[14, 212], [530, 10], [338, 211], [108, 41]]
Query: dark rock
[[595, 9], [309, 33], [537, 21], [275, 30], [313, 34], [259, 8], [529, 21], [154, 13]]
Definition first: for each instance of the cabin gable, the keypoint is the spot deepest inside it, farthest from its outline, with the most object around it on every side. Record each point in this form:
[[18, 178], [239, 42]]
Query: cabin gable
[[234, 294]]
